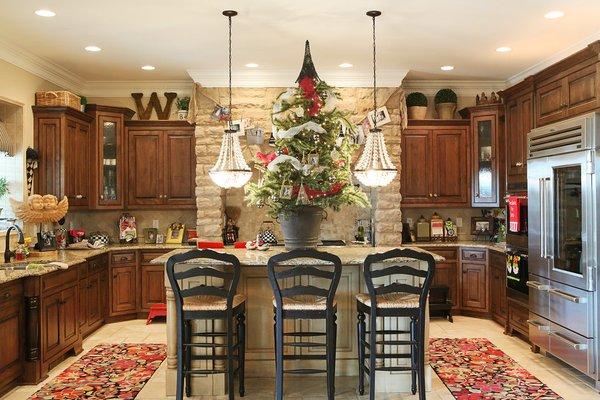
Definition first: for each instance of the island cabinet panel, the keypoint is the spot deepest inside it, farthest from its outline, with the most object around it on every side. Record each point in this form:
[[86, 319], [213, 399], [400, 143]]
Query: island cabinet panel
[[62, 138], [11, 334], [435, 164], [161, 164]]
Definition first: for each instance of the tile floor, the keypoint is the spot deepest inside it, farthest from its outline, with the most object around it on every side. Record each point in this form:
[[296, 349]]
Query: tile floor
[[563, 380]]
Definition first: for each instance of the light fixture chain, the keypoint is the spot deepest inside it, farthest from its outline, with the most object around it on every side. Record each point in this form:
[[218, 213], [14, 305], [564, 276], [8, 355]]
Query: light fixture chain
[[374, 78], [230, 110]]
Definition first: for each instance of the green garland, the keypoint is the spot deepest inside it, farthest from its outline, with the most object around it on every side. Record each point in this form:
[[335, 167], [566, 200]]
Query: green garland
[[334, 156]]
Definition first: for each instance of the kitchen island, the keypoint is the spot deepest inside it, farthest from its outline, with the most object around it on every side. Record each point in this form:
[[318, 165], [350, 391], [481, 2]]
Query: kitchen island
[[255, 285]]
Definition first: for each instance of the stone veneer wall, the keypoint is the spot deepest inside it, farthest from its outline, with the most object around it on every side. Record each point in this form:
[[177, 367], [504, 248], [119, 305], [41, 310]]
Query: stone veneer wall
[[255, 103]]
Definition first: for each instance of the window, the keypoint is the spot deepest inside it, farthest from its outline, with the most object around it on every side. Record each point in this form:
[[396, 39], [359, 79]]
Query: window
[[11, 167]]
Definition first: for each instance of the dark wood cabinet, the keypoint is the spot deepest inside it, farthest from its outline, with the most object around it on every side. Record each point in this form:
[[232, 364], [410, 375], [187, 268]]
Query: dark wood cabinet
[[519, 121], [123, 289], [11, 334], [487, 154], [474, 287], [435, 164], [92, 294], [446, 273], [60, 321], [107, 156], [152, 280], [161, 164], [498, 299], [62, 138]]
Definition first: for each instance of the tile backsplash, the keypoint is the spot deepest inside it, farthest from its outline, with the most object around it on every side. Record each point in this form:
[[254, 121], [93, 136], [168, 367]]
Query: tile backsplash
[[107, 221]]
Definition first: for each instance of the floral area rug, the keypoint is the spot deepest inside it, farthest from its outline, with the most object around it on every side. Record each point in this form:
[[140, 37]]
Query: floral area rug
[[108, 371], [474, 369]]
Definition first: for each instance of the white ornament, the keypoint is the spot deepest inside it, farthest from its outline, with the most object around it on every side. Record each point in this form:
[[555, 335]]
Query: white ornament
[[290, 133], [274, 165], [330, 102]]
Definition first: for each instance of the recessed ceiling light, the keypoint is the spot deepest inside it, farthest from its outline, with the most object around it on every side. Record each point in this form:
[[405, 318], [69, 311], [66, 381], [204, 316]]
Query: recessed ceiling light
[[93, 49], [503, 49], [447, 67], [554, 14], [252, 65], [45, 13], [148, 67], [345, 65]]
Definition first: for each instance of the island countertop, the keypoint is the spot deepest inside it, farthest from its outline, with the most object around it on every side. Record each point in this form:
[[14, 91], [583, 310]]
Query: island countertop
[[349, 255]]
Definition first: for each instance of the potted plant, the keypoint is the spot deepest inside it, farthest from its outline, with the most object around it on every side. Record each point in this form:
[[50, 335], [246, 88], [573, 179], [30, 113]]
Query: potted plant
[[183, 105], [416, 103], [3, 189], [83, 103], [445, 103]]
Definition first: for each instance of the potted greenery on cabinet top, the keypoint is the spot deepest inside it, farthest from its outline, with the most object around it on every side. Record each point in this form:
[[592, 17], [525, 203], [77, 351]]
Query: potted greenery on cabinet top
[[416, 103], [183, 105], [445, 103]]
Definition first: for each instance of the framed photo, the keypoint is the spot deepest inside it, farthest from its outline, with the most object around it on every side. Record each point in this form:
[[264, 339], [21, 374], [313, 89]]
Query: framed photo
[[160, 238], [150, 235], [482, 225], [381, 115], [485, 153], [175, 233], [240, 126]]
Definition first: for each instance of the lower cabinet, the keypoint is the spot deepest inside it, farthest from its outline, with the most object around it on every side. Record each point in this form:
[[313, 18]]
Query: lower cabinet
[[446, 273], [11, 334], [153, 286], [474, 287], [123, 287], [498, 300], [60, 321], [92, 294]]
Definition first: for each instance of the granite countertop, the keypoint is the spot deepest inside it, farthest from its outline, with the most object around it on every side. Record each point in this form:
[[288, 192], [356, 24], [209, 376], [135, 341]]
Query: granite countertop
[[350, 255], [71, 257], [462, 243]]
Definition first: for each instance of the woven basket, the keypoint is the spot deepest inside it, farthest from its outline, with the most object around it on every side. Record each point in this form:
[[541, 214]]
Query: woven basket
[[58, 98]]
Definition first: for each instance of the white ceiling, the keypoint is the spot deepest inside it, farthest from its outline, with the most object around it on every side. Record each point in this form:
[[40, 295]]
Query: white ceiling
[[182, 35]]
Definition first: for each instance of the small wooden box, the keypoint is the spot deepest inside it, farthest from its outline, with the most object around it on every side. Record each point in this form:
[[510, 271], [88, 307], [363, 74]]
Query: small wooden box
[[58, 98]]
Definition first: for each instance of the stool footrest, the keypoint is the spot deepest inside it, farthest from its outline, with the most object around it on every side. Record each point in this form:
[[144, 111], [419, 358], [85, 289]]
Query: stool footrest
[[391, 369], [391, 356], [204, 371], [389, 332], [209, 334], [304, 344], [304, 334], [208, 345], [304, 371], [304, 356], [391, 343]]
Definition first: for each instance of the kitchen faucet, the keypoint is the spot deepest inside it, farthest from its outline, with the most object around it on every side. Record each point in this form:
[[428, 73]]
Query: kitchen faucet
[[7, 253]]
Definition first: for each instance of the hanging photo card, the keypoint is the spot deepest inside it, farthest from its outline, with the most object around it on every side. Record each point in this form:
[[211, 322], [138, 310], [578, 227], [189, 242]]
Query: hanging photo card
[[381, 115], [240, 126]]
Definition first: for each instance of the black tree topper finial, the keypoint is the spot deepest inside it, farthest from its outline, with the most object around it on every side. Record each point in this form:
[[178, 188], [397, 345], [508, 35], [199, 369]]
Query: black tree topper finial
[[308, 68]]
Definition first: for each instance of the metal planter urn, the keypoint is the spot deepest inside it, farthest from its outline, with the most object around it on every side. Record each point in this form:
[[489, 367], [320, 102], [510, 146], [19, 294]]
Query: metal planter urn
[[301, 229]]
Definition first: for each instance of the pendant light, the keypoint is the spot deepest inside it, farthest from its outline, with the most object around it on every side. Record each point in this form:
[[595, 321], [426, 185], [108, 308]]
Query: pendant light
[[231, 169], [374, 167]]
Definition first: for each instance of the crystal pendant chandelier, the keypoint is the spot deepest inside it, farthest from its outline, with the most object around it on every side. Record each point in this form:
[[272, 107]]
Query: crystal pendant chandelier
[[231, 169], [374, 167]]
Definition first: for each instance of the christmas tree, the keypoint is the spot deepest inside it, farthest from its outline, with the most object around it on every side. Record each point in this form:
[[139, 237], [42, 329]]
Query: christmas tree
[[313, 150]]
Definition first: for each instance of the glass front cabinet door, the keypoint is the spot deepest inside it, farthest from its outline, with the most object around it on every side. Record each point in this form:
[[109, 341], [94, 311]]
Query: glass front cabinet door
[[487, 156], [109, 156]]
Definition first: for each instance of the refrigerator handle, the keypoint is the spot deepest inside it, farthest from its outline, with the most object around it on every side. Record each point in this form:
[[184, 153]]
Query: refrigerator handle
[[542, 187], [549, 222]]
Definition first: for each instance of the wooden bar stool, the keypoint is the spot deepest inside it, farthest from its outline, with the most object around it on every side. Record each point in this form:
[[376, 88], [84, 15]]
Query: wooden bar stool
[[394, 299], [297, 296], [209, 281]]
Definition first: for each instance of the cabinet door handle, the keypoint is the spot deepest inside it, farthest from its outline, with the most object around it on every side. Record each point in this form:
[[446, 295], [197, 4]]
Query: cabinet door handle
[[101, 197], [518, 164], [79, 196], [430, 195], [435, 195], [7, 295]]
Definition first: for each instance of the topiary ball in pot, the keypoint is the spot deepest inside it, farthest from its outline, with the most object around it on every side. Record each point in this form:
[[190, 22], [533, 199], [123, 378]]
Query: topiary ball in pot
[[416, 103], [445, 103]]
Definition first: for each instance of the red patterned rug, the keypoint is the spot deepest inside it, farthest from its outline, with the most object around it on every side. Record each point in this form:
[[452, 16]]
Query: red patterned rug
[[474, 369], [108, 371]]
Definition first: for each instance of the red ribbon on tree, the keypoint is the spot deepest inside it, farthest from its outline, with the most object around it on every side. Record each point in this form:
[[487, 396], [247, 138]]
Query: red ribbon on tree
[[313, 193], [307, 84]]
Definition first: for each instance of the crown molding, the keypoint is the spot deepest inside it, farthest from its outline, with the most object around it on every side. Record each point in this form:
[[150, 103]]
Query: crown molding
[[41, 67], [284, 78], [462, 87], [125, 88], [553, 59]]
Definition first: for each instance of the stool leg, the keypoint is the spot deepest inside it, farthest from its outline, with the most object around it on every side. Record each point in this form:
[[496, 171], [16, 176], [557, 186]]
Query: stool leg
[[230, 369], [421, 358], [361, 328], [241, 331], [330, 331], [179, 387], [372, 353], [278, 357], [413, 355], [188, 358]]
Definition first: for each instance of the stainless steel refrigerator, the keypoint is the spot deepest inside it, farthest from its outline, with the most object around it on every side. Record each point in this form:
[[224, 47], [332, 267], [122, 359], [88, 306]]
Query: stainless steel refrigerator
[[562, 186]]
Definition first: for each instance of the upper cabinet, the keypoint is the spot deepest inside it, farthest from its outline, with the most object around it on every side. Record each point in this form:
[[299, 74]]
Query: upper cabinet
[[435, 164], [487, 154], [62, 138], [107, 156], [161, 164]]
